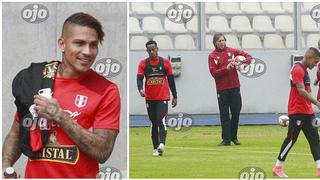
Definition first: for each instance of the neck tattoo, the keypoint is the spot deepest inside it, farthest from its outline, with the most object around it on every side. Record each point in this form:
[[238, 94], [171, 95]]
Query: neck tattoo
[[60, 69]]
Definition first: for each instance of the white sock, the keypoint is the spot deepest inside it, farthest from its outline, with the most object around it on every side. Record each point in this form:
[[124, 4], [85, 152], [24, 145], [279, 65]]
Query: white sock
[[279, 163], [318, 163]]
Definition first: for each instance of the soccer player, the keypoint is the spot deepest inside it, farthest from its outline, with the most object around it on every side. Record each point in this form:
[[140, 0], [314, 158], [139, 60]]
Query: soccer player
[[222, 65], [83, 113], [300, 111], [158, 73]]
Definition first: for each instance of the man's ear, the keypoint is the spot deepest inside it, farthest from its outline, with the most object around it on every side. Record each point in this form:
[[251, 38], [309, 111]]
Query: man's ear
[[61, 44]]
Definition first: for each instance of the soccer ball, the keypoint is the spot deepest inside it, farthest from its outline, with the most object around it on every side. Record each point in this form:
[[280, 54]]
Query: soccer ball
[[238, 61], [283, 120], [240, 58]]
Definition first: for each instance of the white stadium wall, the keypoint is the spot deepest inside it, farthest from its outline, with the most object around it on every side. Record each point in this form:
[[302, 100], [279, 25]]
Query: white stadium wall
[[196, 87]]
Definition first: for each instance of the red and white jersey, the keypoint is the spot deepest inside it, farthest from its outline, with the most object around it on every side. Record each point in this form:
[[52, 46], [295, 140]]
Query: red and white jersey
[[298, 104], [94, 103], [156, 88]]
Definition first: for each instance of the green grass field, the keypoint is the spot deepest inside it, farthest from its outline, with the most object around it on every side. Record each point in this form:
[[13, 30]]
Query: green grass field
[[195, 154]]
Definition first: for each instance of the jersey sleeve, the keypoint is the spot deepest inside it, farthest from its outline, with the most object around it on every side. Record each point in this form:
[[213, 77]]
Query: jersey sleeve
[[297, 75], [141, 67], [168, 67], [108, 113]]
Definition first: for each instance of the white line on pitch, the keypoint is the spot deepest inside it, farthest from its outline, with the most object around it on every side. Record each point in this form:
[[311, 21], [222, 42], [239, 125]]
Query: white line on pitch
[[232, 150]]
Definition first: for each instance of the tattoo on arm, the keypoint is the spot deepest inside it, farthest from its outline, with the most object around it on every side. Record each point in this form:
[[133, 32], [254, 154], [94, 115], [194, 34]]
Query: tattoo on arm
[[304, 93], [98, 144], [11, 150]]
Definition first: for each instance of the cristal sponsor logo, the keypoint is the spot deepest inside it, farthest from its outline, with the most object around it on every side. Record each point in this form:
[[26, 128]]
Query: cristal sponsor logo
[[59, 153], [35, 13], [315, 13], [108, 67], [256, 68], [155, 81], [252, 173], [109, 173], [180, 13], [180, 122]]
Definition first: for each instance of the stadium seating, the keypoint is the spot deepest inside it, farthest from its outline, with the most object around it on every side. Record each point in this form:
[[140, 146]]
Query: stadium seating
[[241, 24], [251, 41], [283, 23], [174, 27], [134, 26], [273, 41], [288, 7], [163, 41], [307, 6], [192, 25], [308, 24], [141, 8], [312, 40], [193, 6], [235, 19], [184, 42], [161, 7], [138, 42], [211, 8], [232, 41], [209, 44], [152, 24], [262, 24], [229, 7], [218, 24], [250, 7], [272, 7], [290, 41]]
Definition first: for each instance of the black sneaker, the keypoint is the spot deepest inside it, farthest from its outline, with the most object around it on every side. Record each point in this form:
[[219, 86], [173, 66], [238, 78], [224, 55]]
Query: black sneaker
[[223, 143], [236, 142]]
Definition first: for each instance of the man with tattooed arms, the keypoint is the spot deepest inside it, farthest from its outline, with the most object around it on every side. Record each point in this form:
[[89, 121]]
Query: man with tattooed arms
[[75, 124]]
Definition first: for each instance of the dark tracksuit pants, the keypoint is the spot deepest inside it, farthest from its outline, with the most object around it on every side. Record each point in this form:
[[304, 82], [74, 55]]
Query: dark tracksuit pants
[[157, 112], [297, 123], [229, 99]]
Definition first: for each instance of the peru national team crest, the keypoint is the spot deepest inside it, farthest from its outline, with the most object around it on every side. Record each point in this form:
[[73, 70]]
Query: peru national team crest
[[81, 101]]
